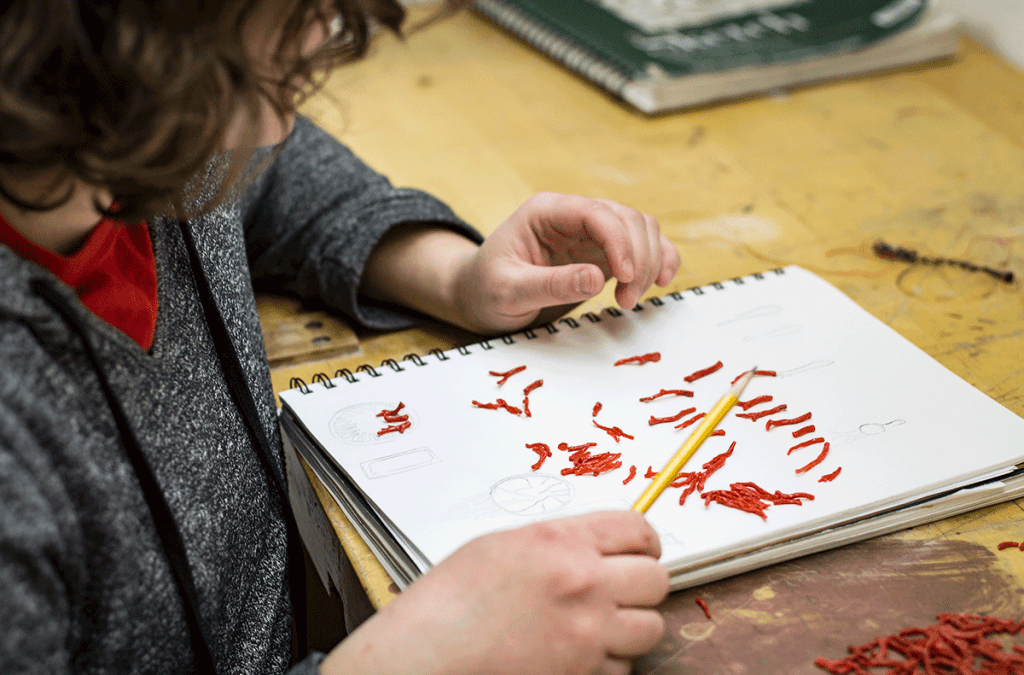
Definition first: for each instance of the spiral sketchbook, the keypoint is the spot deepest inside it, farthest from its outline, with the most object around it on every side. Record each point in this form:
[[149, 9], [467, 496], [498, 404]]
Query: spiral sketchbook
[[846, 432]]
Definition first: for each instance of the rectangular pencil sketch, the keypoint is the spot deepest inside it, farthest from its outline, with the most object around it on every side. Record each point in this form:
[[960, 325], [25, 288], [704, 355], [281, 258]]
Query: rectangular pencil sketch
[[398, 463]]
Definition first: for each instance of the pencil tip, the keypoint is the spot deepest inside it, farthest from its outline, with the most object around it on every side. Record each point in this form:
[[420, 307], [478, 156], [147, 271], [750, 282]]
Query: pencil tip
[[747, 376]]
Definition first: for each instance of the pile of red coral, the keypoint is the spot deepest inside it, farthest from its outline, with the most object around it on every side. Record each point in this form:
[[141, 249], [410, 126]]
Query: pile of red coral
[[959, 643]]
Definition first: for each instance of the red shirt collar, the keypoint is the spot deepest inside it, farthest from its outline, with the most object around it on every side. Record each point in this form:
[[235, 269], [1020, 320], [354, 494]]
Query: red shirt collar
[[113, 273]]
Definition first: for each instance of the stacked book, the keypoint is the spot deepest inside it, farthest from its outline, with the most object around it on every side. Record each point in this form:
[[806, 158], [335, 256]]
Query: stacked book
[[660, 55]]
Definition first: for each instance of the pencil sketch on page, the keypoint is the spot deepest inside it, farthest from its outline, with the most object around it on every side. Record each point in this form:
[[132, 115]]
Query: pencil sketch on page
[[778, 332], [532, 494], [865, 430], [813, 365], [398, 463], [750, 314], [360, 424]]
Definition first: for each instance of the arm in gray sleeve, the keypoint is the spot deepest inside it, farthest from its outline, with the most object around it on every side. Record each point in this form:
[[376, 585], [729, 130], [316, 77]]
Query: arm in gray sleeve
[[314, 217], [34, 625]]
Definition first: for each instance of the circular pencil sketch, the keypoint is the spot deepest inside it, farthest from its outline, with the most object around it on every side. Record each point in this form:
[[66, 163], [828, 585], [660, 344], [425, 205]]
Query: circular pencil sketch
[[532, 494], [361, 424]]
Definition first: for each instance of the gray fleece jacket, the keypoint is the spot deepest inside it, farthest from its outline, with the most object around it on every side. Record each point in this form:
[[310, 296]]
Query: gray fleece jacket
[[85, 585]]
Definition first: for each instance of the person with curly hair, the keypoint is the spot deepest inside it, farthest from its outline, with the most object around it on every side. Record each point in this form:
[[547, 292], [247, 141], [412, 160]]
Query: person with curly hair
[[153, 168]]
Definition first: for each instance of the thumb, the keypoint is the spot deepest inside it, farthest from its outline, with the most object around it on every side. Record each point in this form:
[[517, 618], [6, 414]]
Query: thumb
[[541, 286]]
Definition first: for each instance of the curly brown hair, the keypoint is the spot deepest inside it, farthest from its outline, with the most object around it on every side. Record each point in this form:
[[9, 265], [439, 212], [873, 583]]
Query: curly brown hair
[[136, 95]]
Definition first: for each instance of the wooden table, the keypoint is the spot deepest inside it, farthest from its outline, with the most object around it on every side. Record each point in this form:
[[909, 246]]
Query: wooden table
[[931, 158]]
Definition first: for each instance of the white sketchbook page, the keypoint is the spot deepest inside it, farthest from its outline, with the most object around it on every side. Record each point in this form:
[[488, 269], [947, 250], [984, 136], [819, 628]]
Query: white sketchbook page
[[898, 423]]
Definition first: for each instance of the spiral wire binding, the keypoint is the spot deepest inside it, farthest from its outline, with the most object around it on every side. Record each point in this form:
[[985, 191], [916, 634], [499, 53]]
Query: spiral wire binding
[[528, 333], [415, 358], [323, 379], [556, 46], [392, 364], [300, 384], [367, 368]]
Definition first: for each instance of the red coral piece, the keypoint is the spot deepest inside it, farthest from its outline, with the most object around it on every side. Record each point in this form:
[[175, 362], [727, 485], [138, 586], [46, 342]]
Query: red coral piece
[[703, 372], [640, 360]]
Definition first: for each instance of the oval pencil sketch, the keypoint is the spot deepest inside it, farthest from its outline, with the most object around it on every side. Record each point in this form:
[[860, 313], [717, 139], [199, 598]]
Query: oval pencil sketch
[[532, 494], [360, 424], [781, 331], [865, 430], [813, 365], [755, 313]]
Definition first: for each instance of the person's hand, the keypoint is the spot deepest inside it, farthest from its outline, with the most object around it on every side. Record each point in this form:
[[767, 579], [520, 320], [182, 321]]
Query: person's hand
[[559, 250], [555, 251], [565, 596]]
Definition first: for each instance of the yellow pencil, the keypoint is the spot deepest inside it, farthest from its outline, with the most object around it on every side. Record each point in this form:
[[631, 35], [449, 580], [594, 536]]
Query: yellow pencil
[[703, 430]]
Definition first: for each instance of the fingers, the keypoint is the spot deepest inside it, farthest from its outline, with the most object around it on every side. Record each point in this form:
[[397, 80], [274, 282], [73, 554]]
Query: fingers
[[636, 227], [614, 666], [572, 595], [616, 532], [633, 632], [562, 221], [638, 583], [629, 239], [636, 580], [558, 250], [669, 262], [538, 287], [654, 257]]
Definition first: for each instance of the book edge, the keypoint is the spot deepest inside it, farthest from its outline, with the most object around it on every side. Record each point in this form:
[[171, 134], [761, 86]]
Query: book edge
[[896, 520], [933, 38]]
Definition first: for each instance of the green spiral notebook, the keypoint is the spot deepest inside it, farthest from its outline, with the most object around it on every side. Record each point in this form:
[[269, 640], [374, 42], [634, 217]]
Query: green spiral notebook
[[661, 56]]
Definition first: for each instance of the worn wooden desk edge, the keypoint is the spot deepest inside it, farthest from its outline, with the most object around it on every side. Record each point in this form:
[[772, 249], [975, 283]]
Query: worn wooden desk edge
[[375, 581]]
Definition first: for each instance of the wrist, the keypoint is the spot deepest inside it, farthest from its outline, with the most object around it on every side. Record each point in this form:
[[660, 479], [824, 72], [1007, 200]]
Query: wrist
[[402, 638], [422, 267], [456, 285]]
